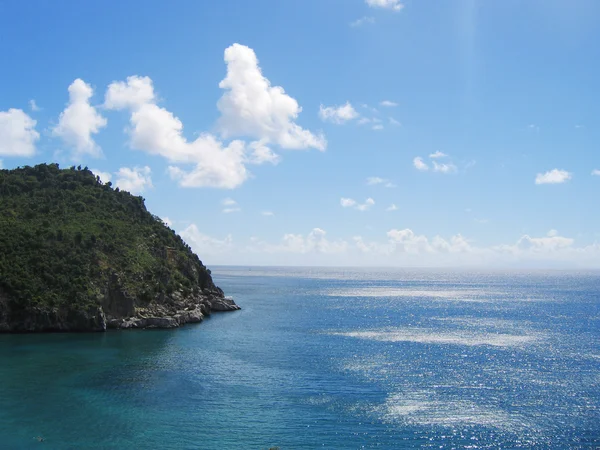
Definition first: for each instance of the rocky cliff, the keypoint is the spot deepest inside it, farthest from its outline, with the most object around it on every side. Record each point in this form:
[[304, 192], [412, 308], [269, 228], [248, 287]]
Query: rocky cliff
[[78, 255]]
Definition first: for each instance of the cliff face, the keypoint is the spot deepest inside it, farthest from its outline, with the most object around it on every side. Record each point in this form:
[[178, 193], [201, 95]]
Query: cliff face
[[77, 255]]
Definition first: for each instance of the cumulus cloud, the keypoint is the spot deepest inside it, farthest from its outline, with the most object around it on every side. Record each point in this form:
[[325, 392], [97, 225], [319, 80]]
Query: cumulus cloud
[[135, 180], [251, 107], [338, 114], [554, 176], [420, 164], [79, 121], [399, 247], [17, 133], [131, 94], [362, 21], [105, 177], [394, 5], [596, 172], [388, 103], [168, 222], [158, 131], [351, 203], [392, 207]]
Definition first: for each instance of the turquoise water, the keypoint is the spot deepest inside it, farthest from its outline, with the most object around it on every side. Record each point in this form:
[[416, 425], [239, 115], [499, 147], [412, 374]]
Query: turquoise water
[[324, 358]]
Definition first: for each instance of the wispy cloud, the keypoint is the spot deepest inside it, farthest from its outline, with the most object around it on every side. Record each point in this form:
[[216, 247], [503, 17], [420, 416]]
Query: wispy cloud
[[388, 103], [438, 154], [366, 20], [392, 207], [394, 5], [371, 181], [230, 205]]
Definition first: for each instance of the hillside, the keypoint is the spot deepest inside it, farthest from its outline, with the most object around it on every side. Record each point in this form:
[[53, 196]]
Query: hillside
[[78, 255]]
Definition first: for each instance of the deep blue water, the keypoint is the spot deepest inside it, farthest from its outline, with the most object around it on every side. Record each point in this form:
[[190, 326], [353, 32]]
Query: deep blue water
[[327, 358]]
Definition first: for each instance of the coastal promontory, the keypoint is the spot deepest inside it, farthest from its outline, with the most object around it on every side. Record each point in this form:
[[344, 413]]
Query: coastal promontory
[[77, 254]]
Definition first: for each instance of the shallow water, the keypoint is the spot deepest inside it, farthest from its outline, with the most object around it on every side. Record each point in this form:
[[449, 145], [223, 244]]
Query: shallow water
[[327, 358]]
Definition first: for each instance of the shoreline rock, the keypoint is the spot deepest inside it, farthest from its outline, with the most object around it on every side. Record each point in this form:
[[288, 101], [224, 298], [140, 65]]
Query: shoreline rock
[[175, 312]]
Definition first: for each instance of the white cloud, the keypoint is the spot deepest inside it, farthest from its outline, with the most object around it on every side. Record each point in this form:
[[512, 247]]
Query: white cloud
[[366, 205], [347, 202], [481, 221], [313, 243], [437, 154], [134, 180], [262, 154], [392, 207], [394, 5], [377, 127], [375, 180], [205, 245], [362, 21], [552, 233], [105, 177], [394, 122], [33, 106], [267, 213], [351, 203], [131, 94], [388, 103], [168, 222], [231, 206], [371, 181], [338, 114], [553, 176], [363, 121], [596, 172], [79, 121], [157, 131], [444, 168], [397, 247], [17, 133], [251, 107], [420, 164]]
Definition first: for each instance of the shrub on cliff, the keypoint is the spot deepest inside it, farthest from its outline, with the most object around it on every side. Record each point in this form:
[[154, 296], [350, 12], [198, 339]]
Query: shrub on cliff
[[64, 234]]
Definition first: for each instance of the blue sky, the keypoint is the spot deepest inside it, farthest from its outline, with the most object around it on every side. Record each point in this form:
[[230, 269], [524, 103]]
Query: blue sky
[[312, 123]]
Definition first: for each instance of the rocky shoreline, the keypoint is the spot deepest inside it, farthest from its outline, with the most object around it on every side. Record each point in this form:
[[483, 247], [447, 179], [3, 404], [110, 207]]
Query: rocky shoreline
[[116, 311]]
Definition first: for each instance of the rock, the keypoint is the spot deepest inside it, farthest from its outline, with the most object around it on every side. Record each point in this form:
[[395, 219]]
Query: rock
[[224, 304]]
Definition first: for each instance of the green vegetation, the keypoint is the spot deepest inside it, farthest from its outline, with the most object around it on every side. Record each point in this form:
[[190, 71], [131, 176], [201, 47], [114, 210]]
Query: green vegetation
[[64, 234]]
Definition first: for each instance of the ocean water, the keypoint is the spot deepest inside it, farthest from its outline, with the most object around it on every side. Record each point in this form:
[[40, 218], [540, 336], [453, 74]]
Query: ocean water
[[327, 358]]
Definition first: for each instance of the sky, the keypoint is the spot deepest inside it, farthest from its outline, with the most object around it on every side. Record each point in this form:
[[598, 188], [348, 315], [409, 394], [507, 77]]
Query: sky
[[324, 132]]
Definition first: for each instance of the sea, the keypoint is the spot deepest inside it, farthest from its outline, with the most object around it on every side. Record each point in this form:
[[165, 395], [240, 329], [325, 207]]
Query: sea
[[324, 358]]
